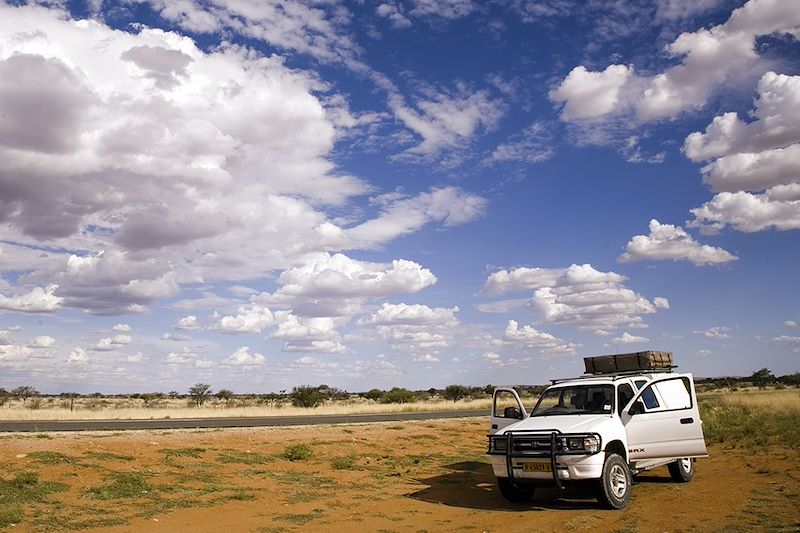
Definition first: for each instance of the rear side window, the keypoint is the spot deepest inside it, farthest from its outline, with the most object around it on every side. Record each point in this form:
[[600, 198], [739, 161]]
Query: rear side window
[[649, 399]]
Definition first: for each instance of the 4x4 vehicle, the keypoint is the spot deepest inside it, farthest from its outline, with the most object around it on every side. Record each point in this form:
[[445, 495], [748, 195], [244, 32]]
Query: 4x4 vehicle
[[630, 413]]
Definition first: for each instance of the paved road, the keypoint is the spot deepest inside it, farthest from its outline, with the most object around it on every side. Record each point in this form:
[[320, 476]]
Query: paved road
[[256, 421]]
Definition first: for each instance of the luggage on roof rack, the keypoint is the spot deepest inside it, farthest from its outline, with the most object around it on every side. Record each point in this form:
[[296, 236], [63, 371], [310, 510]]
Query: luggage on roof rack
[[626, 362]]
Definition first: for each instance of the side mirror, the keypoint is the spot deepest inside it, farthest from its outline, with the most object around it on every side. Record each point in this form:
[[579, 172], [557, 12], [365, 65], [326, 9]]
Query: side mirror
[[512, 412], [637, 408]]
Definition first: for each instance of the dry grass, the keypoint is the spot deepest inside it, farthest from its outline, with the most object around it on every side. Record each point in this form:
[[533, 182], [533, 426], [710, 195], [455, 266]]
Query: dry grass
[[123, 411], [752, 418]]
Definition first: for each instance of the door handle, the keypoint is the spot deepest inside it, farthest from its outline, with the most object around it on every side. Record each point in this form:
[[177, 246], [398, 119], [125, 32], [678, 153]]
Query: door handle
[[687, 420], [494, 426]]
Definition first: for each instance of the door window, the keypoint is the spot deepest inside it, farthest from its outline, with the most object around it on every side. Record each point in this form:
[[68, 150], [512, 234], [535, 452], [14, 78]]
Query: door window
[[624, 395], [503, 401]]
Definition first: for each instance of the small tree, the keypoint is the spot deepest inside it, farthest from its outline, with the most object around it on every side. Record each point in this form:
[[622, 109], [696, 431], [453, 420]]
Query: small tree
[[399, 395], [24, 392], [455, 392], [374, 394], [225, 394], [306, 396], [762, 378], [199, 393], [3, 396]]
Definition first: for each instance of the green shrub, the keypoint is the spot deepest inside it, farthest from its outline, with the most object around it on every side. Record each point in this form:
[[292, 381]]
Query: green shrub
[[298, 452], [347, 462], [124, 485]]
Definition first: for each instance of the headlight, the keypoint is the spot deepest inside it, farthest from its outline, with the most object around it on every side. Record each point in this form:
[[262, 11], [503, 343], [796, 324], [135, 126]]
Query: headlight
[[587, 444], [499, 444]]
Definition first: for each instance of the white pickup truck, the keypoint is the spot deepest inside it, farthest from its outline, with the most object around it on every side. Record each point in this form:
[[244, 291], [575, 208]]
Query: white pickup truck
[[602, 428]]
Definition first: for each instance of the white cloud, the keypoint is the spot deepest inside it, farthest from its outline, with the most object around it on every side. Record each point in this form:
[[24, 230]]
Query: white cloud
[[243, 357], [531, 145], [447, 121], [790, 324], [709, 58], [250, 318], [394, 15], [122, 328], [491, 356], [412, 315], [529, 338], [425, 358], [661, 303], [754, 167], [307, 334], [627, 338], [403, 215], [174, 337], [188, 323], [78, 356], [185, 356], [112, 343], [778, 207], [42, 341], [578, 295], [666, 241], [38, 300], [717, 332], [339, 276], [416, 329], [587, 94], [447, 9], [788, 340]]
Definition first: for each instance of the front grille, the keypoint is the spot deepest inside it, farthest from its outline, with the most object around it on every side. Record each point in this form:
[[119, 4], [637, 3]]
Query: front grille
[[526, 445]]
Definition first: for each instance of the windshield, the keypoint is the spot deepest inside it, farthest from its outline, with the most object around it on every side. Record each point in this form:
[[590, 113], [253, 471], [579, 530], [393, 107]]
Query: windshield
[[575, 400]]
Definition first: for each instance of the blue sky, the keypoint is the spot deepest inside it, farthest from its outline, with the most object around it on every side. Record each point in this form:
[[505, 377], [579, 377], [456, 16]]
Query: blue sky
[[260, 195]]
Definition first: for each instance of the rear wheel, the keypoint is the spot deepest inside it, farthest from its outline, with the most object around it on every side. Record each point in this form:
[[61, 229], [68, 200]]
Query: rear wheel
[[514, 493], [614, 486], [682, 470]]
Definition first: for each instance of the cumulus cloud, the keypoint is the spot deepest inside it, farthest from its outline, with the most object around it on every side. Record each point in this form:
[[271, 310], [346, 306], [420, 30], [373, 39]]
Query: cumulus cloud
[[666, 241], [627, 338], [789, 341], [393, 13], [417, 330], [112, 343], [778, 208], [529, 338], [661, 303], [38, 300], [708, 58], [122, 328], [578, 295], [753, 166], [42, 341], [790, 323], [78, 356], [243, 357], [339, 276], [185, 356], [188, 323], [587, 94], [250, 318], [307, 334]]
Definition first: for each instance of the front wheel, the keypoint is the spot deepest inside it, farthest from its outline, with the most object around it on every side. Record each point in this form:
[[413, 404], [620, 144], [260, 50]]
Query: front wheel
[[614, 486], [514, 493], [682, 470]]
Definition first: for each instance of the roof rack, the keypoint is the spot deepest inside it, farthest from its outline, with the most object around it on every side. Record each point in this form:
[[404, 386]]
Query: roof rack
[[612, 376]]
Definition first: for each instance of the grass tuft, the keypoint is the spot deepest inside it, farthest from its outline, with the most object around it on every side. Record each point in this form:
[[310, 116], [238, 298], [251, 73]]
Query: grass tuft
[[123, 485], [245, 458], [24, 488], [298, 452]]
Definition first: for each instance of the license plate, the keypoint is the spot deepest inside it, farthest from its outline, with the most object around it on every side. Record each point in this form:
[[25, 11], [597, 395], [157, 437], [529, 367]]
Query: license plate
[[536, 467]]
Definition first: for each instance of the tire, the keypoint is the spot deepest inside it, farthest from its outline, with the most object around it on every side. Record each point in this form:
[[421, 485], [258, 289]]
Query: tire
[[514, 493], [682, 470], [614, 486]]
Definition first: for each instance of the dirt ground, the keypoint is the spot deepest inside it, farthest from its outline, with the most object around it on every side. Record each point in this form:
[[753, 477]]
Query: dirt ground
[[408, 477]]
